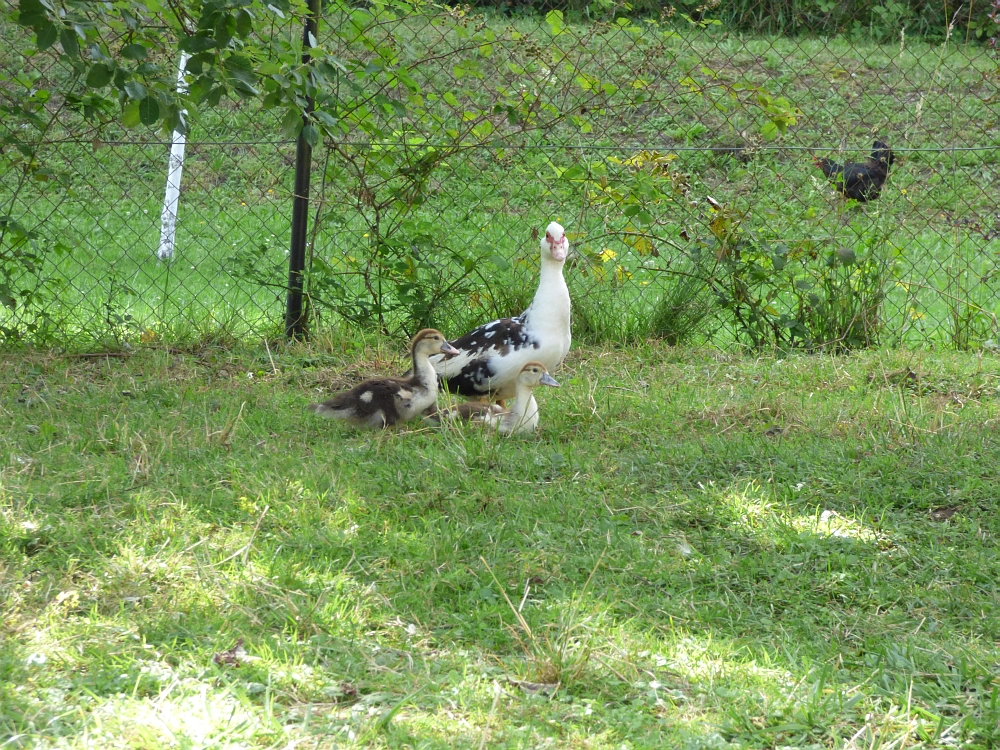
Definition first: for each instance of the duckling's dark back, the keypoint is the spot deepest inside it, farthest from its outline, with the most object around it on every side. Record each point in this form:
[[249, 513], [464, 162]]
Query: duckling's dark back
[[366, 399]]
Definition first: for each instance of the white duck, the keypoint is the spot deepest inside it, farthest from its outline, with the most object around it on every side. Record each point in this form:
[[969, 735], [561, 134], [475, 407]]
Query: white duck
[[521, 418], [491, 357], [380, 402]]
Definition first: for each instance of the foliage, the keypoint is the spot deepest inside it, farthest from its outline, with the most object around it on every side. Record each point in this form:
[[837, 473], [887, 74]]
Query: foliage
[[774, 295], [805, 295], [408, 268], [858, 18]]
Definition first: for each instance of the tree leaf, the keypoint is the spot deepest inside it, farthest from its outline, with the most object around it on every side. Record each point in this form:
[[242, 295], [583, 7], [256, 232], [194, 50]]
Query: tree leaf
[[134, 52], [224, 31], [291, 124], [554, 18], [483, 129], [130, 117], [769, 132], [326, 118], [311, 135], [135, 90], [70, 43], [31, 13], [46, 36], [149, 111], [198, 43], [244, 23], [99, 76]]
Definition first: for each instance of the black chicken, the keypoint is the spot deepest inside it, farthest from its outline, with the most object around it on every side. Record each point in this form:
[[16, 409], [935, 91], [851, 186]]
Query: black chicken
[[864, 181]]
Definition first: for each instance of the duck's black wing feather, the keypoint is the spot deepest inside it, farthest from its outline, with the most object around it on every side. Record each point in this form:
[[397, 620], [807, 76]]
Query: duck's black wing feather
[[481, 353]]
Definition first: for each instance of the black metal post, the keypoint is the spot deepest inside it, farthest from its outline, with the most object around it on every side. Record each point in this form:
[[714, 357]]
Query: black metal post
[[295, 323]]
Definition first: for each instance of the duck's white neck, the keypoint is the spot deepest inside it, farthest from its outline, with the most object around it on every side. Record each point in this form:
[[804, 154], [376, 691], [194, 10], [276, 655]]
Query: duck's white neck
[[521, 400], [423, 371], [523, 414], [552, 296]]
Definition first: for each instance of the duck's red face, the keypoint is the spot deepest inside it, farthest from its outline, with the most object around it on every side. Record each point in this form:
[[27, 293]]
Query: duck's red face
[[556, 242]]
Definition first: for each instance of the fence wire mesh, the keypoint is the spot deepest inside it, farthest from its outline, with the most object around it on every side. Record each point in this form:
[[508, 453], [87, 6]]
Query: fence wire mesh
[[677, 150]]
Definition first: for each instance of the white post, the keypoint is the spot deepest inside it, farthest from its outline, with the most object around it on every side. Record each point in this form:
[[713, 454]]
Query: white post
[[168, 218]]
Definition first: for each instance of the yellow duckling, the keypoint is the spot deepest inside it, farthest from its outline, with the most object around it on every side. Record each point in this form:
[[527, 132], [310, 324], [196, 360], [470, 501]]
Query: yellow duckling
[[521, 417], [380, 402]]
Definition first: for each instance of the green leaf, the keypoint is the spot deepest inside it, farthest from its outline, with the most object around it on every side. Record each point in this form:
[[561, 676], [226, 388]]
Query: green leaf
[[31, 13], [244, 23], [291, 124], [46, 36], [99, 76], [485, 50], [554, 18], [311, 135], [224, 31], [501, 263], [451, 99], [195, 44], [69, 41], [483, 129], [326, 118], [574, 172], [130, 117], [149, 111], [135, 90], [134, 52], [769, 132]]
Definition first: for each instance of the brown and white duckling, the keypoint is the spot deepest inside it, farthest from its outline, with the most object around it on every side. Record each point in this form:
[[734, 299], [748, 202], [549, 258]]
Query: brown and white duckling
[[380, 402], [521, 417]]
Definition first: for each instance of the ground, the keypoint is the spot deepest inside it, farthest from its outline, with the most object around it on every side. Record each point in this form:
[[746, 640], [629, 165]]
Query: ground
[[696, 550]]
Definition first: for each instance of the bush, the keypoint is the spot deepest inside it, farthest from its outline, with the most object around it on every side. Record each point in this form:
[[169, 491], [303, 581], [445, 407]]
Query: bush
[[826, 17]]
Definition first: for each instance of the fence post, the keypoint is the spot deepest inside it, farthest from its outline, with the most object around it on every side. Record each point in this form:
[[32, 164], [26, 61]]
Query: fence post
[[295, 324], [175, 168]]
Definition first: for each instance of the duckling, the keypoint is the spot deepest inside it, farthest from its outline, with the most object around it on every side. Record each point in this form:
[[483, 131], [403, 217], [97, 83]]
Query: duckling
[[521, 418], [381, 402]]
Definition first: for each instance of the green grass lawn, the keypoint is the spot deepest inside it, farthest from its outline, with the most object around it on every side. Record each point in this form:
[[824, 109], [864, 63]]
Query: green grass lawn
[[696, 550]]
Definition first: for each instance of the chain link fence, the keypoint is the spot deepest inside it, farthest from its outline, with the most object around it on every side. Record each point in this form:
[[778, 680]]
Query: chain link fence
[[676, 147]]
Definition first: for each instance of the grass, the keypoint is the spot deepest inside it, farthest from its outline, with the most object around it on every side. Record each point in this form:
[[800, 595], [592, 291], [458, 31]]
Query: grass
[[697, 550], [937, 213]]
